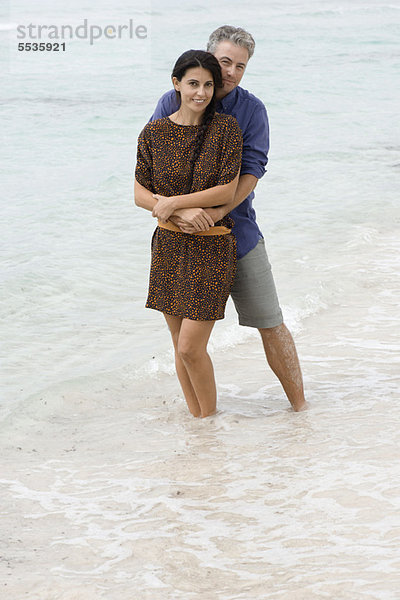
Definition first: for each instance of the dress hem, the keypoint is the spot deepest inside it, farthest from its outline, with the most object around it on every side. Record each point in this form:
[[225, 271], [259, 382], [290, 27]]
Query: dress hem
[[174, 314]]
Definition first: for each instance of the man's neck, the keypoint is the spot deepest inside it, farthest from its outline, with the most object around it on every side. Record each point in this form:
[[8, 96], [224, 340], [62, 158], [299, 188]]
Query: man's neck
[[220, 95]]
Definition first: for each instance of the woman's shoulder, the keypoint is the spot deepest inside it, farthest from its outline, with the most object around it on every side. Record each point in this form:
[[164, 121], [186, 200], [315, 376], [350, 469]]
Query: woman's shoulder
[[154, 126], [224, 118], [223, 121]]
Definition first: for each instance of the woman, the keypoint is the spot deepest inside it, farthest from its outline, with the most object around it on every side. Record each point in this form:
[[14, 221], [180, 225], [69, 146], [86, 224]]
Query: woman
[[186, 161]]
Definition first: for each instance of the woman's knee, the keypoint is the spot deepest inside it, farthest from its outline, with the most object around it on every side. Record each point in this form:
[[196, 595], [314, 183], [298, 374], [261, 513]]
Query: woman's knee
[[188, 351]]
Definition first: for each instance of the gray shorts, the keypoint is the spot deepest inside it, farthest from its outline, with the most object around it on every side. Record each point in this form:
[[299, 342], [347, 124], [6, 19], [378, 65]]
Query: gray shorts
[[253, 291]]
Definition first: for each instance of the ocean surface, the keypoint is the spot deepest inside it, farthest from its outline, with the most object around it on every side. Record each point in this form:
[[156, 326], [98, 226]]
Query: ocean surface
[[109, 485]]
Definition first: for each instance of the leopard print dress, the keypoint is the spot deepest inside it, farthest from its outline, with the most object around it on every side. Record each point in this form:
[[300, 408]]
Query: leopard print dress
[[190, 275]]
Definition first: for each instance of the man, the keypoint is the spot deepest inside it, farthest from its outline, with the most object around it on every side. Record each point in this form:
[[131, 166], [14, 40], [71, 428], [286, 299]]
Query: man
[[253, 292]]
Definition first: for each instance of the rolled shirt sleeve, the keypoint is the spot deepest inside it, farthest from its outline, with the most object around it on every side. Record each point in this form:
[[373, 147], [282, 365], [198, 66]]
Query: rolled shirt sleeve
[[256, 143]]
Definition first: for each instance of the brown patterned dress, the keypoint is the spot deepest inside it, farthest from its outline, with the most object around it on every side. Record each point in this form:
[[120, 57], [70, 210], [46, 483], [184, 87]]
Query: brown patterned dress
[[191, 275]]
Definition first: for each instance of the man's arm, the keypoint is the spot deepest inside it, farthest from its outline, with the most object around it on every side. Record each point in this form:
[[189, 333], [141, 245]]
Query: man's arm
[[246, 185], [254, 159]]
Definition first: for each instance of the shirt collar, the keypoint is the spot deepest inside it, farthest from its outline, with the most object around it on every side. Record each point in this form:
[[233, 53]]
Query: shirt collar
[[229, 100]]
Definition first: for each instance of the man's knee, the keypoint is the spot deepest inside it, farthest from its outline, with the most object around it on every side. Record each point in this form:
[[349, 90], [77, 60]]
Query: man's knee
[[271, 333], [272, 330]]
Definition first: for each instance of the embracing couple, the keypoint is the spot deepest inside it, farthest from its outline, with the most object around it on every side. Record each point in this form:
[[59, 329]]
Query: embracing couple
[[198, 162]]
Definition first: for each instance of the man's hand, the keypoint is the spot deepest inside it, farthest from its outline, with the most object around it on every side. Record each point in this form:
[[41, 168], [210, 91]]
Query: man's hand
[[164, 207], [192, 220]]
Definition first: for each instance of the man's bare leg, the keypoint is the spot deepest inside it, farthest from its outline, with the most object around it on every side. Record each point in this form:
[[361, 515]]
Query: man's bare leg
[[282, 358]]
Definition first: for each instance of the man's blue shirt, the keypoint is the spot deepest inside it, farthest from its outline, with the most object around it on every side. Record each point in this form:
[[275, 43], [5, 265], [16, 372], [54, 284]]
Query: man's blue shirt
[[252, 117]]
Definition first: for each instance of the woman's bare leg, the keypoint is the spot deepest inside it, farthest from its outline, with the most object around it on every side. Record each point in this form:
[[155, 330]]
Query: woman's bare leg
[[192, 350], [174, 325]]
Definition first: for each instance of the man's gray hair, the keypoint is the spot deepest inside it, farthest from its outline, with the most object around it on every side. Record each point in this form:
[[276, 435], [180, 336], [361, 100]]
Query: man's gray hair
[[236, 35]]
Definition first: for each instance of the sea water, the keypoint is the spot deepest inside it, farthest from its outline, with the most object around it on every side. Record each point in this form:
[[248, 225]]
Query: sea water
[[145, 495]]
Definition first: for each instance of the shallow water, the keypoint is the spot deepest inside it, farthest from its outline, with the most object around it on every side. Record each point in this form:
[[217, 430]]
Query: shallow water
[[113, 494], [112, 487]]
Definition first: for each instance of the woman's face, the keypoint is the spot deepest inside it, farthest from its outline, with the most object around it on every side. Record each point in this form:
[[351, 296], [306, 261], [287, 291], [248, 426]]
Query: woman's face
[[196, 88]]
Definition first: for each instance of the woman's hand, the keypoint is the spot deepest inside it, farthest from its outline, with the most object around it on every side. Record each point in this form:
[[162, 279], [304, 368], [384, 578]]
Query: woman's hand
[[192, 220], [164, 207]]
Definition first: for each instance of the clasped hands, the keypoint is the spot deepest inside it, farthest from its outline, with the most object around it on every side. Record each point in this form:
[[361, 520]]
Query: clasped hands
[[189, 220]]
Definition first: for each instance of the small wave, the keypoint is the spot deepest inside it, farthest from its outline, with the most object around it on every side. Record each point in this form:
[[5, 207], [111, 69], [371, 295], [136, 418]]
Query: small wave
[[231, 336], [362, 235], [163, 365], [311, 305], [109, 182]]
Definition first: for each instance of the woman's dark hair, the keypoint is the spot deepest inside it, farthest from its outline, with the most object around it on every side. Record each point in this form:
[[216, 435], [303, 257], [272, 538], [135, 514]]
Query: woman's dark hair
[[189, 60]]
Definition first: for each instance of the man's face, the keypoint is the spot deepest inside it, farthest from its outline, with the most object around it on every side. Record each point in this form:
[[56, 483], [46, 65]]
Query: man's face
[[233, 60]]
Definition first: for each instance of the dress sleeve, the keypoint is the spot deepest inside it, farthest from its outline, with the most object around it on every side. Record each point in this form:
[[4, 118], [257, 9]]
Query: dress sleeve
[[144, 161], [231, 155]]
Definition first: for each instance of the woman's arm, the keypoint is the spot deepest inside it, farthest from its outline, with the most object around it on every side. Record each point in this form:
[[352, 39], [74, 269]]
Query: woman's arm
[[143, 197], [200, 220], [215, 196]]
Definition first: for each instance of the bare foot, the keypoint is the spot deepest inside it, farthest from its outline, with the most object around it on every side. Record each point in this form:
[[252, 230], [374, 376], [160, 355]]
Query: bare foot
[[301, 407], [210, 414]]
